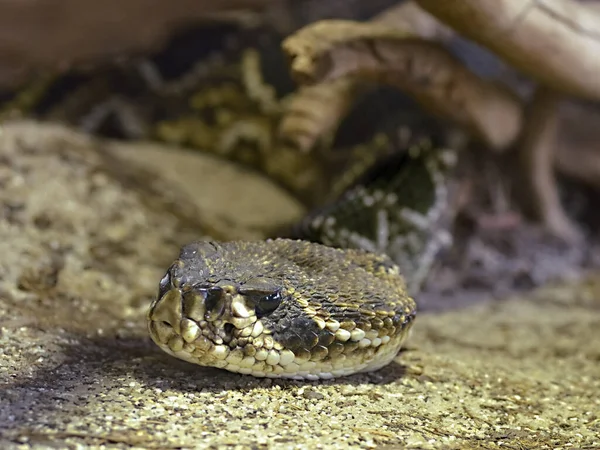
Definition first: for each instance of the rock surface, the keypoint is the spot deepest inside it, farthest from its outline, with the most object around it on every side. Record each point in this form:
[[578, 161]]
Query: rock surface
[[86, 230]]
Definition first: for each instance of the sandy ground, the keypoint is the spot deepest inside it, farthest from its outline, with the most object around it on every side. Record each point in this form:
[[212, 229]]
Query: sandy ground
[[84, 239]]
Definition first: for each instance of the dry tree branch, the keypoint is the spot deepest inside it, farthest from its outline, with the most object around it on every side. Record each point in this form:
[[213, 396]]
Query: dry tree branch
[[333, 49], [411, 18], [556, 42], [51, 36], [544, 38], [537, 153], [313, 111], [578, 147]]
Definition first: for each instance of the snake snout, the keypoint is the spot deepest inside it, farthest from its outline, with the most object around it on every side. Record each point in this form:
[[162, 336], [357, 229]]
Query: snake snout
[[165, 317], [193, 317]]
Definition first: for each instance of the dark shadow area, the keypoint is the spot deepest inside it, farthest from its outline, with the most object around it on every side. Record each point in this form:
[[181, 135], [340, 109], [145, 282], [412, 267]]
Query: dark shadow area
[[94, 367]]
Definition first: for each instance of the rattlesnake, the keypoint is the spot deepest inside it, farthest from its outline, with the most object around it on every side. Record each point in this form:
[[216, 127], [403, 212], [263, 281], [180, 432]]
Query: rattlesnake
[[284, 307]]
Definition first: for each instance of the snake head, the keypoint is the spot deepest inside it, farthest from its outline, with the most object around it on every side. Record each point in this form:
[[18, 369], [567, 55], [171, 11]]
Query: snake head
[[280, 308], [203, 316]]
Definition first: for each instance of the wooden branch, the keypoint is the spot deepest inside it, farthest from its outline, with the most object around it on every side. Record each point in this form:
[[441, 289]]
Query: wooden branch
[[537, 153], [314, 112], [333, 49], [556, 42]]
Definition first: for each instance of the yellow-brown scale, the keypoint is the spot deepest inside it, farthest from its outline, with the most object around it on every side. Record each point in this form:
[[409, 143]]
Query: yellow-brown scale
[[282, 308]]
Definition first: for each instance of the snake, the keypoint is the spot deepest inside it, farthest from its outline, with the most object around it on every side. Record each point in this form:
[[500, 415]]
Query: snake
[[282, 308], [334, 294]]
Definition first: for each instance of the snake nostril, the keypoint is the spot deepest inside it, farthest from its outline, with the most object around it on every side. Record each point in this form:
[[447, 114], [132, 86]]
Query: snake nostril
[[214, 302], [167, 310], [228, 327]]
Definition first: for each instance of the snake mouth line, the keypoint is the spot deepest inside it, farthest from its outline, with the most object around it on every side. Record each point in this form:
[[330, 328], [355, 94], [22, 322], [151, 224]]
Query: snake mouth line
[[177, 324]]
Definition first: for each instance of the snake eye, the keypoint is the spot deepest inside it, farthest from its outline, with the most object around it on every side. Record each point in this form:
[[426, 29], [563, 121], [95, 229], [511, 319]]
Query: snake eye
[[264, 293], [164, 285], [267, 304], [264, 303]]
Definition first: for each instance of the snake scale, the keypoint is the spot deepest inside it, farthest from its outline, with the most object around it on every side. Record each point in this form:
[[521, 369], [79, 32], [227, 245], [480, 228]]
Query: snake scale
[[333, 295]]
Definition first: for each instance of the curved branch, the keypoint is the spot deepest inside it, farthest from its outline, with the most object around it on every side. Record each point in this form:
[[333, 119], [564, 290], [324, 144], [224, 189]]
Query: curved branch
[[314, 112], [411, 18], [556, 42], [537, 153], [333, 49], [578, 149]]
